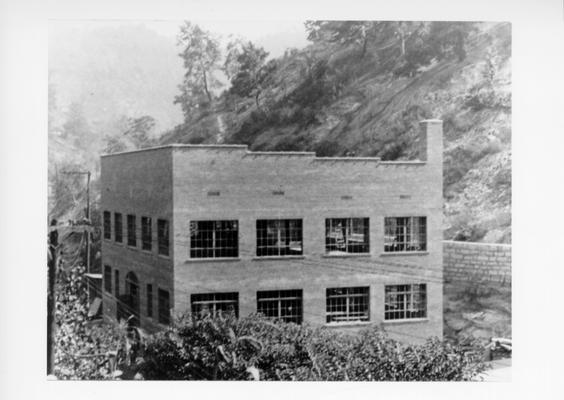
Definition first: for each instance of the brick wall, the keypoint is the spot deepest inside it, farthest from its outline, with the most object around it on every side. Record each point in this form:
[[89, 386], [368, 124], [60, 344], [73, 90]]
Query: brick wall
[[465, 261], [175, 182]]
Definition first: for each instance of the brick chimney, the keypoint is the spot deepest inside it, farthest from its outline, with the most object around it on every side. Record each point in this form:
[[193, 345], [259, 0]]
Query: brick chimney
[[431, 141]]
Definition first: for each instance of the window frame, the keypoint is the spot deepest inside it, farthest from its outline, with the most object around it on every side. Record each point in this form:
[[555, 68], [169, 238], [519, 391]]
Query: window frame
[[146, 233], [280, 224], [213, 299], [149, 299], [116, 283], [332, 305], [278, 297], [108, 279], [131, 230], [163, 305], [408, 302], [332, 229], [411, 242], [163, 237], [197, 227], [107, 224], [118, 227]]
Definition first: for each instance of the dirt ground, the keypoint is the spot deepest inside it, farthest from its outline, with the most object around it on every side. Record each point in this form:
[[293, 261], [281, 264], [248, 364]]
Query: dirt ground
[[479, 310]]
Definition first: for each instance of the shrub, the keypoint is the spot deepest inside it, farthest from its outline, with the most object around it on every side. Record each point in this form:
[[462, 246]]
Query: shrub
[[81, 348], [221, 347]]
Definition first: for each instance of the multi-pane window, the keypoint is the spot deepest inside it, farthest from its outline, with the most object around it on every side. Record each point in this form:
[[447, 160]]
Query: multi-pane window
[[131, 233], [146, 233], [163, 236], [149, 300], [107, 225], [405, 301], [108, 278], [164, 307], [405, 234], [118, 227], [211, 303], [116, 283], [214, 239], [346, 235], [279, 237], [281, 304], [348, 304]]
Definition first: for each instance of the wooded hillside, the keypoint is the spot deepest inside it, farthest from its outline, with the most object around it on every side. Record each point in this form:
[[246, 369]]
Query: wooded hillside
[[359, 89]]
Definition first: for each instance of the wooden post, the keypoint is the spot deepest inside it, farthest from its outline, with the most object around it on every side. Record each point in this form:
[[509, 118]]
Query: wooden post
[[87, 232]]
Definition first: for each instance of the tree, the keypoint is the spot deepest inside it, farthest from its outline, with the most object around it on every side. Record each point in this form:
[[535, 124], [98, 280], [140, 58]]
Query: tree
[[246, 67], [365, 35], [140, 129], [201, 55], [136, 134], [357, 33], [448, 39]]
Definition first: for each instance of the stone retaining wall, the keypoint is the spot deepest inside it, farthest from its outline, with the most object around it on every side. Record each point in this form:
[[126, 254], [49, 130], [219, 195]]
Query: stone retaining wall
[[465, 261]]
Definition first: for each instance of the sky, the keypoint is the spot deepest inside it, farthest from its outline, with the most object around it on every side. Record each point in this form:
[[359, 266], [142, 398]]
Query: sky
[[274, 35]]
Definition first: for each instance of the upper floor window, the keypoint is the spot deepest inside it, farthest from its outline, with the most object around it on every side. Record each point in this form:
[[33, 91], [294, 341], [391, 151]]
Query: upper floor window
[[131, 230], [211, 303], [279, 237], [118, 227], [405, 301], [163, 236], [146, 233], [214, 239], [107, 225], [281, 304], [405, 234], [346, 235], [348, 304]]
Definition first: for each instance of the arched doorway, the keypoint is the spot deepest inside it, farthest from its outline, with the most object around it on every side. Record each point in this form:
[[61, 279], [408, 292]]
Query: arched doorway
[[132, 298]]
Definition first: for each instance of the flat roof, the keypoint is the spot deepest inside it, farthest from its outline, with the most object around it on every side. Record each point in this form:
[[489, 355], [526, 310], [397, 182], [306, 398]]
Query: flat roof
[[247, 152]]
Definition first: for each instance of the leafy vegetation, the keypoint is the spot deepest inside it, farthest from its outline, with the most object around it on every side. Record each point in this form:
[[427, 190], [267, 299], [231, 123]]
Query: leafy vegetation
[[221, 347], [81, 349]]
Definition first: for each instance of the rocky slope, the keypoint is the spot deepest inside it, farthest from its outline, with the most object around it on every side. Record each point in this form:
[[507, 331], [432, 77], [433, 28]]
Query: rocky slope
[[330, 101]]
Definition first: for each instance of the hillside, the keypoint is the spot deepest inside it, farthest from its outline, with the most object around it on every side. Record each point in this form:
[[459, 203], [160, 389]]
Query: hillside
[[331, 100]]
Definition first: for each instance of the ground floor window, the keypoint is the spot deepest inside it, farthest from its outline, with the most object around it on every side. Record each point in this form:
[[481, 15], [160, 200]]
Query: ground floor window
[[211, 303], [348, 304], [405, 301], [116, 283], [281, 304], [108, 278], [149, 300], [164, 307]]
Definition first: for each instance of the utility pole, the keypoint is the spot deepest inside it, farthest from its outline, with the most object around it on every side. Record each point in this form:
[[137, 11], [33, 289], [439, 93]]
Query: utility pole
[[51, 271]]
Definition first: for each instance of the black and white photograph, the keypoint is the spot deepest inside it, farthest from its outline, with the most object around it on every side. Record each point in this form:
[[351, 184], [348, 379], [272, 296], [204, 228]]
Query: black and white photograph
[[303, 200], [268, 198]]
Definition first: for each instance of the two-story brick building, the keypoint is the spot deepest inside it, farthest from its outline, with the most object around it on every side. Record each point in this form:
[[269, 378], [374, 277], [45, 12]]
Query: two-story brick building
[[339, 242]]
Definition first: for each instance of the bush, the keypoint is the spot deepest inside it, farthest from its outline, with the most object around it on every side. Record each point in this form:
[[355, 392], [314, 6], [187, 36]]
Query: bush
[[81, 348], [223, 348]]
